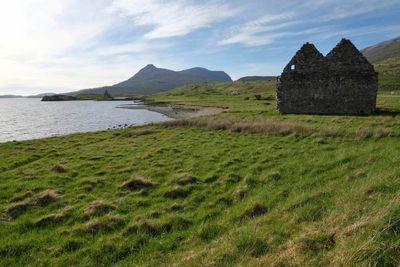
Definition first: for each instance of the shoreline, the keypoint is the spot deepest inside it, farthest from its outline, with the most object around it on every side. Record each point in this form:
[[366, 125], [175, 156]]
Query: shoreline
[[176, 111]]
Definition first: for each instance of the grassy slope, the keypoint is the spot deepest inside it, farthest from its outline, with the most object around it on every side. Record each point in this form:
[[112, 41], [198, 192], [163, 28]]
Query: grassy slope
[[285, 190], [389, 74]]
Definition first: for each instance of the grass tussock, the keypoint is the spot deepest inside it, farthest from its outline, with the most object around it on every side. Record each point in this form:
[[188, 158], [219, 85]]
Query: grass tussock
[[185, 180], [248, 243], [97, 208], [59, 168], [16, 209], [22, 197], [176, 207], [50, 219], [209, 231], [137, 183], [108, 224], [149, 227], [177, 192], [211, 179], [47, 197], [254, 211], [319, 242]]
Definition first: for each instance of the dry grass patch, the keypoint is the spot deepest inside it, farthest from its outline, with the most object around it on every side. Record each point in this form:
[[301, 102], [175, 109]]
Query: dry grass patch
[[279, 127], [247, 125]]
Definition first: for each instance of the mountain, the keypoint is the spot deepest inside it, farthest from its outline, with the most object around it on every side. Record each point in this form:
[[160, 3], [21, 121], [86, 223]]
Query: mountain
[[207, 74], [386, 59], [257, 78], [151, 79]]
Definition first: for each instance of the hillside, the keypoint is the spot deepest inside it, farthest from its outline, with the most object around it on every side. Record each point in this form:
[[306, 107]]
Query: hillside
[[257, 78], [151, 79], [382, 51], [386, 58], [246, 187]]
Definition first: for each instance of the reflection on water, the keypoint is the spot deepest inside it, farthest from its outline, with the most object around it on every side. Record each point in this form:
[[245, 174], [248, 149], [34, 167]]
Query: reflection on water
[[22, 119]]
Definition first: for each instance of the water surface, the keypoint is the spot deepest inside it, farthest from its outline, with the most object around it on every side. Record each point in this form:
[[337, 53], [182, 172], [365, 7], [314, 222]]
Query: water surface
[[24, 118]]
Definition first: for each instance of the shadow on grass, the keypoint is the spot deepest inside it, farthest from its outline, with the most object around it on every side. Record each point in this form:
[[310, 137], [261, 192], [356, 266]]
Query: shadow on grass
[[386, 112]]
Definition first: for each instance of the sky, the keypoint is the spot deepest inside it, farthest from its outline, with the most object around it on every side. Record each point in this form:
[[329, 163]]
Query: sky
[[64, 45]]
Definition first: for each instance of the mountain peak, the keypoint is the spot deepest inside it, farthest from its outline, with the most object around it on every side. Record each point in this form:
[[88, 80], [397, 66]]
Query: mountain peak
[[150, 66]]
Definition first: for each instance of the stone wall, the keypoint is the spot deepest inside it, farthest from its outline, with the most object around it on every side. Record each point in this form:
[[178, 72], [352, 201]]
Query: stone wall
[[343, 82]]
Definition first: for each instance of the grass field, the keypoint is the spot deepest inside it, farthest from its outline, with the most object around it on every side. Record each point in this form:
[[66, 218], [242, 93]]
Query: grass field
[[389, 74], [245, 187]]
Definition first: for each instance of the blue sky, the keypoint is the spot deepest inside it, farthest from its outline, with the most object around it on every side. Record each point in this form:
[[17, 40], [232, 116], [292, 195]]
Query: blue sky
[[62, 45]]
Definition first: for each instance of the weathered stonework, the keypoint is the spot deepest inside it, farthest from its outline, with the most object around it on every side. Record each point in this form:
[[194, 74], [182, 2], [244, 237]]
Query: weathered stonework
[[343, 82]]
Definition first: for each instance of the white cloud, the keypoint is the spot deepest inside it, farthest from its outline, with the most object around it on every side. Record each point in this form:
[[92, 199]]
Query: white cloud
[[57, 45], [173, 18], [63, 45], [261, 31], [306, 17]]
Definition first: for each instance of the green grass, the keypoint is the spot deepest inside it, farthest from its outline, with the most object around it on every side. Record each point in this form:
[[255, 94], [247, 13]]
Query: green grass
[[389, 74], [245, 187]]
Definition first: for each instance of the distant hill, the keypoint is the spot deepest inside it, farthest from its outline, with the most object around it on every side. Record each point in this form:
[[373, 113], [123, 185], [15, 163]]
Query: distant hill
[[41, 95], [257, 78], [382, 51], [10, 96], [152, 80], [386, 58]]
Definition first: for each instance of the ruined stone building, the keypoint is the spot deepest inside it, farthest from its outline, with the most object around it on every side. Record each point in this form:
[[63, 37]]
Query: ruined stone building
[[343, 82]]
